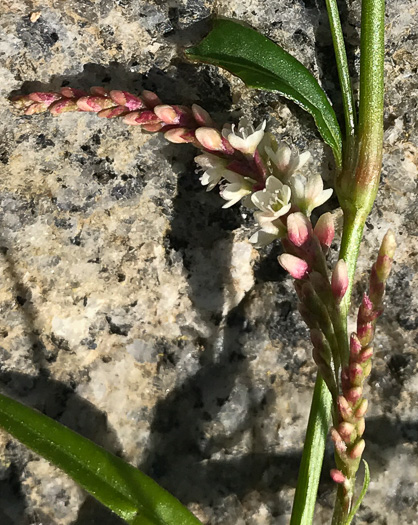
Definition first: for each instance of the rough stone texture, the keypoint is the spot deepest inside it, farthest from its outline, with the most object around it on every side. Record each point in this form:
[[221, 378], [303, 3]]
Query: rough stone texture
[[134, 310]]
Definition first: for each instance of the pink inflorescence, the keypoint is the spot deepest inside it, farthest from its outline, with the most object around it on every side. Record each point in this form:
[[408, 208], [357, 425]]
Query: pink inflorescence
[[180, 124]]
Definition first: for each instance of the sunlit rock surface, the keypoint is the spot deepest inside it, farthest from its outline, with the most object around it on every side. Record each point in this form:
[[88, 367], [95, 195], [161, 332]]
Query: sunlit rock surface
[[133, 308]]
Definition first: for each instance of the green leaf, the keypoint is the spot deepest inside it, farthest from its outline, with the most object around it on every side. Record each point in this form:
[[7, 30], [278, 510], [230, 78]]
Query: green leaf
[[124, 489], [262, 64], [362, 493]]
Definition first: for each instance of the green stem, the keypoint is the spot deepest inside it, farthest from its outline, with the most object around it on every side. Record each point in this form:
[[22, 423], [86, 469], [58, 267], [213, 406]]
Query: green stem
[[343, 71], [312, 457]]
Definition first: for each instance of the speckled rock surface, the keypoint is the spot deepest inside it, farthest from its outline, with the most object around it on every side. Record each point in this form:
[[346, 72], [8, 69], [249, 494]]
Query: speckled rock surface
[[133, 308]]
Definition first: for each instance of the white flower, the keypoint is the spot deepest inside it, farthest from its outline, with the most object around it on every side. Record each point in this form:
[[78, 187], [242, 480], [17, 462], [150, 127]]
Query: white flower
[[246, 138], [237, 188], [308, 192], [215, 172], [273, 202], [286, 163]]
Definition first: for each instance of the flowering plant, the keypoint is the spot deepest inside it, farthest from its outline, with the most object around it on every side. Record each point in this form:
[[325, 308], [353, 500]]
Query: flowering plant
[[250, 166]]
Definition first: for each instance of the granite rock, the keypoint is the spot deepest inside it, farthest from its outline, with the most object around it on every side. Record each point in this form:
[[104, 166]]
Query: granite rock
[[133, 308]]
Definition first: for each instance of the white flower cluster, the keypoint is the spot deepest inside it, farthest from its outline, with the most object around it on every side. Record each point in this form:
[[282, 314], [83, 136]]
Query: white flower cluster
[[284, 187]]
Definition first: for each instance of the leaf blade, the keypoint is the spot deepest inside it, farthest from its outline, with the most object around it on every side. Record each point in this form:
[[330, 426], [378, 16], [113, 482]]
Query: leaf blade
[[124, 489], [262, 64]]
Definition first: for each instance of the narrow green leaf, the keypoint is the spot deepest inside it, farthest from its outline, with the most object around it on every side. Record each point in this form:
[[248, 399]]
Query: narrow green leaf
[[124, 489], [362, 493], [262, 64]]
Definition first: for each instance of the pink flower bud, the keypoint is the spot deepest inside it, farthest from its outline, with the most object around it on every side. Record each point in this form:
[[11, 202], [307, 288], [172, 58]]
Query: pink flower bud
[[150, 98], [356, 374], [362, 409], [355, 347], [339, 280], [365, 355], [94, 103], [167, 114], [158, 126], [123, 98], [21, 101], [63, 106], [354, 394], [337, 476], [358, 449], [346, 431], [112, 112], [180, 135], [36, 107], [344, 408], [98, 91], [142, 117], [72, 93], [299, 228], [365, 333], [298, 268], [201, 116], [46, 98], [324, 230], [209, 138], [366, 312], [339, 444]]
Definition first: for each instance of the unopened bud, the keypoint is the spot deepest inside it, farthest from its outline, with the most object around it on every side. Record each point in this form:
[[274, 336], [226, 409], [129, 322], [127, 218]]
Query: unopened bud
[[180, 135], [69, 92], [358, 449], [209, 138], [94, 103], [365, 355], [339, 280], [36, 107], [339, 444], [362, 409], [344, 408], [366, 313], [98, 91], [21, 101], [157, 126], [298, 268], [45, 98], [167, 114], [201, 116], [365, 333], [355, 347], [356, 374], [150, 98], [388, 246], [123, 98], [337, 476], [354, 394], [64, 105], [299, 228], [325, 231], [112, 112], [346, 431], [136, 118]]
